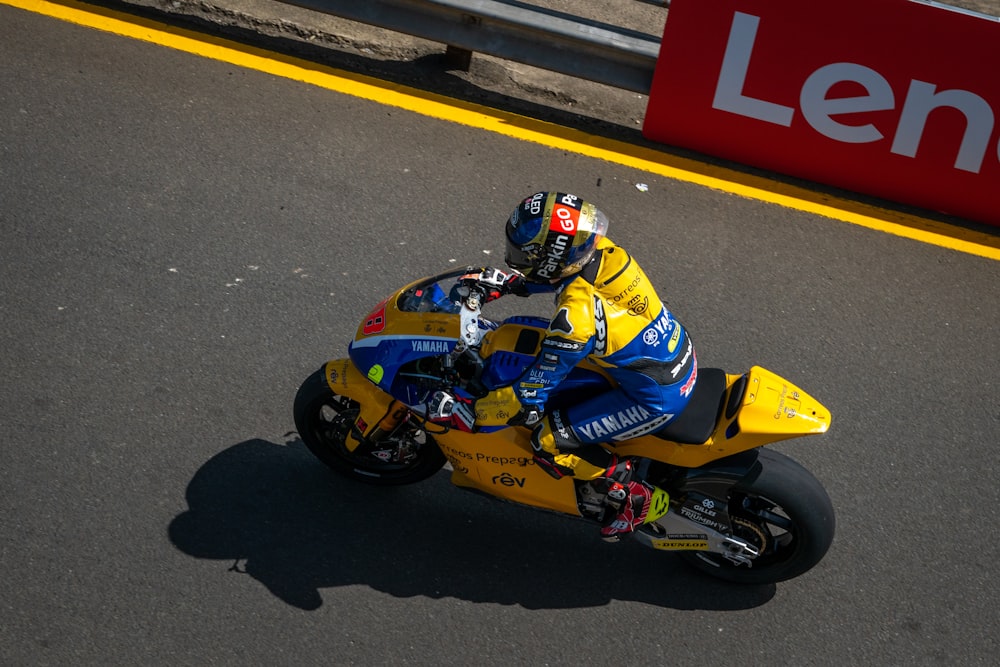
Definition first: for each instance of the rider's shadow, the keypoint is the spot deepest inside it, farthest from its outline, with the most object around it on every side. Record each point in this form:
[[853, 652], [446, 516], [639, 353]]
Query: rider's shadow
[[280, 516]]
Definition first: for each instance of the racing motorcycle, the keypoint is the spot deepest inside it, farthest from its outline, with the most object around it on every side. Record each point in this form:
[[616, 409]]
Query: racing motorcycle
[[727, 505]]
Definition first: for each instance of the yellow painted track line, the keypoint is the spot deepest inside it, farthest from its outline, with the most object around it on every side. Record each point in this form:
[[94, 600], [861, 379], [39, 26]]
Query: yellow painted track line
[[520, 127]]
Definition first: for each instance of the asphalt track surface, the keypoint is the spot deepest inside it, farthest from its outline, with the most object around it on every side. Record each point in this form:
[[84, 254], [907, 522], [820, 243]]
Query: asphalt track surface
[[185, 240]]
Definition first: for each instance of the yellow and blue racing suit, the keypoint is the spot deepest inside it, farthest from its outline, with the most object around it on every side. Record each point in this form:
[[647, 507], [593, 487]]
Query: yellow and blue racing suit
[[611, 313]]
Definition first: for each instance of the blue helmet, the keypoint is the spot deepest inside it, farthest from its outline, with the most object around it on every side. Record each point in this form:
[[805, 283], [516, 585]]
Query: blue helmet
[[553, 235]]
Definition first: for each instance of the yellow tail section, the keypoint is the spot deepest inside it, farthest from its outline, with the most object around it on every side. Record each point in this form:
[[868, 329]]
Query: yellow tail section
[[775, 409], [772, 409]]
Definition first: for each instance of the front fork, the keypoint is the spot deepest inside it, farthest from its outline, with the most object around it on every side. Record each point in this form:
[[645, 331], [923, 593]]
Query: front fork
[[379, 415], [381, 440]]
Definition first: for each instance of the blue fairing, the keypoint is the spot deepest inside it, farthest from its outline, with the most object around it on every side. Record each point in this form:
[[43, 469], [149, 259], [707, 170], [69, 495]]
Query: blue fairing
[[503, 368], [381, 357]]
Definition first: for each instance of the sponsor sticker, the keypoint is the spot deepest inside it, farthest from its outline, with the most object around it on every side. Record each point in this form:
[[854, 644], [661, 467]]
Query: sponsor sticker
[[669, 544]]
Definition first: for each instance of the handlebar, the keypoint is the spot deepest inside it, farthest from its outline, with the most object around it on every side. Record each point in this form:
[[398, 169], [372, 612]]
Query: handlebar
[[477, 288], [472, 307]]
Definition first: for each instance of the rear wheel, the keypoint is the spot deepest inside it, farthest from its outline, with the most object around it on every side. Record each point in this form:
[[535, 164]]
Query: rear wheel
[[785, 513], [324, 419]]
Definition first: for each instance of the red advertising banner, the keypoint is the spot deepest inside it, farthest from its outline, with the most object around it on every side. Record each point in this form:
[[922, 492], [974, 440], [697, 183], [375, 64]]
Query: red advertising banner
[[895, 98]]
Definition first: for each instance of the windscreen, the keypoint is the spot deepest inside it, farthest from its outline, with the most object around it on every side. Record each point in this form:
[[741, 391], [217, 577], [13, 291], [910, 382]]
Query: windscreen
[[433, 295]]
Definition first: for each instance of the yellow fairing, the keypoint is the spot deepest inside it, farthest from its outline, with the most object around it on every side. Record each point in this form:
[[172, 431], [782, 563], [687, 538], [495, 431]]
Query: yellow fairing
[[386, 319], [498, 463], [345, 379], [501, 465], [497, 407], [772, 409], [524, 339]]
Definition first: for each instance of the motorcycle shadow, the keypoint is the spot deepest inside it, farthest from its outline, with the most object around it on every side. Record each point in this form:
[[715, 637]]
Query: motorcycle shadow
[[297, 528]]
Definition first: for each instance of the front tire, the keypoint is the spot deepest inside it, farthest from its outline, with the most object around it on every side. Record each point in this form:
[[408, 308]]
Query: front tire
[[324, 419], [786, 513]]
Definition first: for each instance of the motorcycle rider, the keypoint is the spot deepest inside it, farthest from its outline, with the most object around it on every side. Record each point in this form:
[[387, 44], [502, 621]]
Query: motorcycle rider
[[606, 310]]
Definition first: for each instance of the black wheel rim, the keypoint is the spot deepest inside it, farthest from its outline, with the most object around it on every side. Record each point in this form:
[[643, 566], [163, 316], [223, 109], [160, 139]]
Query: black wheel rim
[[766, 526]]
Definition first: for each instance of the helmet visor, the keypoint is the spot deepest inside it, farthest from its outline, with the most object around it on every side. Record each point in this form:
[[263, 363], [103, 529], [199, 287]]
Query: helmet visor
[[518, 259]]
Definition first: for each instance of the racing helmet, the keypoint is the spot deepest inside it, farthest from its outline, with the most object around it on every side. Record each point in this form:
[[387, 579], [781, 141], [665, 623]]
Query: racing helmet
[[552, 235]]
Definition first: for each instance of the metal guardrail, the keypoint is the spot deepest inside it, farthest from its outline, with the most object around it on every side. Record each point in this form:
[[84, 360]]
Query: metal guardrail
[[516, 31]]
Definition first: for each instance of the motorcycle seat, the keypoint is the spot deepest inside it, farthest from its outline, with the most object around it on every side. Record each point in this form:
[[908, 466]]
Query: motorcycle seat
[[695, 425]]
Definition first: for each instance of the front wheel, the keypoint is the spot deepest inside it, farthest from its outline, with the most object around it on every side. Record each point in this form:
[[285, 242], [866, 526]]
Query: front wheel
[[784, 512], [324, 419]]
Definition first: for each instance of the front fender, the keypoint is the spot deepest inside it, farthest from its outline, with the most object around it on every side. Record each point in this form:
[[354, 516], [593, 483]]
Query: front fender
[[345, 379]]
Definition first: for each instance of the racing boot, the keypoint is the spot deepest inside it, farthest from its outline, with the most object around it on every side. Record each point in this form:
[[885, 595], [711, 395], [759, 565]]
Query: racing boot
[[627, 501], [628, 506], [619, 470]]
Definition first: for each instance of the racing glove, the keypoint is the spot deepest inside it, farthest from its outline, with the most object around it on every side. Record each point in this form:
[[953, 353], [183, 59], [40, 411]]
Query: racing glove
[[497, 283]]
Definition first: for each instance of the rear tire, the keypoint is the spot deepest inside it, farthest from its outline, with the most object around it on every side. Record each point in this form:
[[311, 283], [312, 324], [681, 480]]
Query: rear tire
[[785, 512], [324, 418]]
